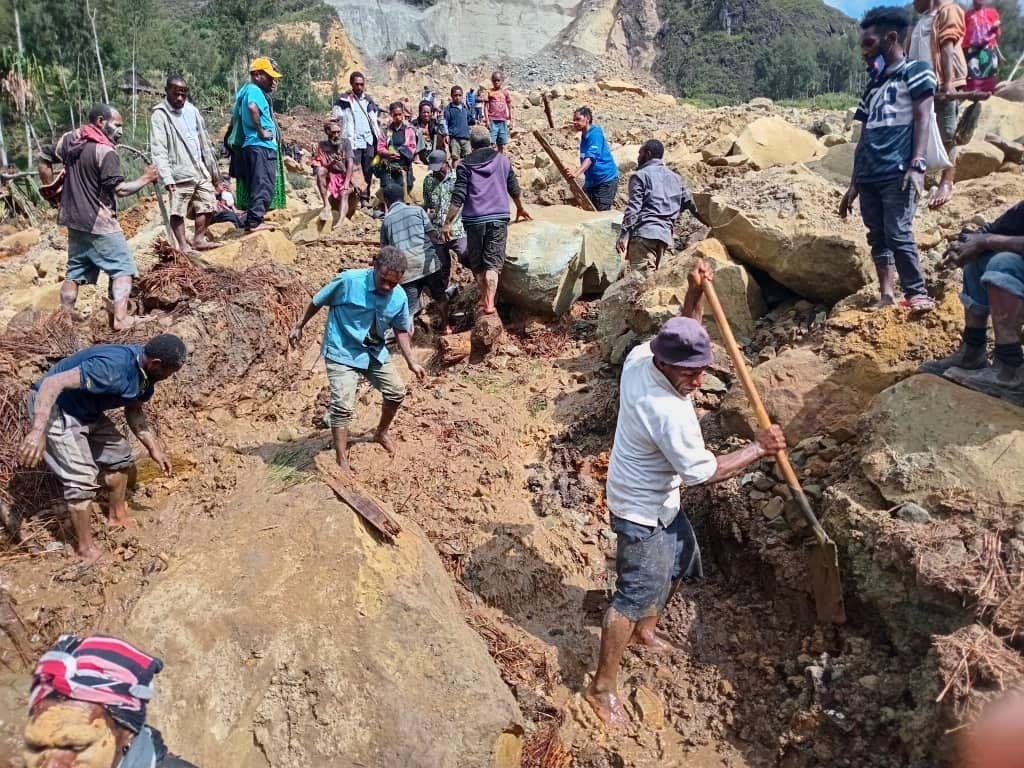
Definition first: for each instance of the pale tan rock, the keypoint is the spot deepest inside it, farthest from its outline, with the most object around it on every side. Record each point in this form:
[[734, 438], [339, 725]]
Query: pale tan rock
[[1001, 117], [720, 147], [256, 248], [621, 86], [770, 141], [978, 159], [19, 242]]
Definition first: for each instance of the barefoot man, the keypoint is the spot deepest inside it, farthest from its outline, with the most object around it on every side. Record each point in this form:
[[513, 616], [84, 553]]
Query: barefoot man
[[659, 447], [71, 430], [363, 306]]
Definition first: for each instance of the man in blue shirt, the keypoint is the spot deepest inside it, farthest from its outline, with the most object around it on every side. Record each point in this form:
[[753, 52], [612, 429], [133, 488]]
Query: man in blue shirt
[[889, 162], [364, 305], [597, 166], [71, 431], [259, 151]]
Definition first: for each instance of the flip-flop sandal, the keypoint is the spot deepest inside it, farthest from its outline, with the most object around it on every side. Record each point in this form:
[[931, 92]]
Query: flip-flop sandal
[[918, 304]]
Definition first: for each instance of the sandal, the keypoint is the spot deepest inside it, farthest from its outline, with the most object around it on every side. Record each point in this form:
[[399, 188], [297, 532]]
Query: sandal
[[918, 303]]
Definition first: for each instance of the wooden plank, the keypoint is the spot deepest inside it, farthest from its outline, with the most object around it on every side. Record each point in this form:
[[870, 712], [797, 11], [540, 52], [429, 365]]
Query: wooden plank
[[331, 474], [577, 191]]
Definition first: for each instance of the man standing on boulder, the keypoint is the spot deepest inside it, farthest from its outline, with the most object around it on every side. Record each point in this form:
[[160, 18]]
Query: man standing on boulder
[[498, 111], [484, 181], [597, 166], [889, 161], [656, 197], [363, 128], [93, 180], [71, 430], [364, 305], [993, 264], [658, 448], [258, 173], [186, 162]]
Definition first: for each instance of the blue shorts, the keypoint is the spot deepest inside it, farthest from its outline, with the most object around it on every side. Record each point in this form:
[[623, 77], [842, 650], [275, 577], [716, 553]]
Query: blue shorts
[[89, 254], [1003, 270], [648, 561], [499, 132]]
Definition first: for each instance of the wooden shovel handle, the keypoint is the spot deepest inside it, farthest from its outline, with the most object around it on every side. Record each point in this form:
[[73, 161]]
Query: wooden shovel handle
[[763, 420]]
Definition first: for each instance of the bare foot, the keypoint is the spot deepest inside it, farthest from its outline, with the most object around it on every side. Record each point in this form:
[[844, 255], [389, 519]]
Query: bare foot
[[122, 522], [381, 438], [488, 310], [653, 642], [882, 303], [943, 194], [447, 331], [343, 465], [264, 227], [130, 322], [325, 213], [607, 707], [202, 244], [89, 555]]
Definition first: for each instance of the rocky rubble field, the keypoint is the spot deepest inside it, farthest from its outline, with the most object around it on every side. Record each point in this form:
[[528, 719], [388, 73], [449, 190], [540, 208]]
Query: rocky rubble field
[[468, 641]]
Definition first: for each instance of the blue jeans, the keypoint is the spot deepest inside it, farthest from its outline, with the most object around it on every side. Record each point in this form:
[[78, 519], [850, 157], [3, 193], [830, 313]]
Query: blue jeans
[[648, 561], [499, 132], [90, 254], [888, 212], [1003, 270]]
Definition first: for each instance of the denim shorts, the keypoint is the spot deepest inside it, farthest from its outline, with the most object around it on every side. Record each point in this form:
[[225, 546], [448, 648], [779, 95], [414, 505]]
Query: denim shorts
[[1003, 270], [89, 254], [648, 561], [499, 132]]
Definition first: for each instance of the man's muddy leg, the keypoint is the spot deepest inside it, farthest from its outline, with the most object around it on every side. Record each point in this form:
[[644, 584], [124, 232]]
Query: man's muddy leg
[[200, 241], [603, 694], [81, 521], [388, 411], [116, 483], [321, 187], [68, 295], [488, 282], [340, 437], [120, 290], [178, 230]]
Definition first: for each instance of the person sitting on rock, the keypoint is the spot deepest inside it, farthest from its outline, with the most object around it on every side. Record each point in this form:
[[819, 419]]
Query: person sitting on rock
[[656, 197], [409, 228], [484, 181], [993, 263], [332, 167], [658, 448], [889, 161], [70, 428], [87, 707], [364, 306]]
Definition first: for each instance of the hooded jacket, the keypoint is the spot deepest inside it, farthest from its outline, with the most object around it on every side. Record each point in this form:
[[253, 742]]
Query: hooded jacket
[[484, 181]]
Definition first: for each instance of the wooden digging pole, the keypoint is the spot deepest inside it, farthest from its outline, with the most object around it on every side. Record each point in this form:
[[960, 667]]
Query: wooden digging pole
[[577, 191]]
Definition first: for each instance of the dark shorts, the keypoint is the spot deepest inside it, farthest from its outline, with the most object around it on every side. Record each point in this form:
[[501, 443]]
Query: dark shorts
[[603, 195], [485, 246], [444, 255], [947, 114], [436, 283], [89, 254], [648, 561]]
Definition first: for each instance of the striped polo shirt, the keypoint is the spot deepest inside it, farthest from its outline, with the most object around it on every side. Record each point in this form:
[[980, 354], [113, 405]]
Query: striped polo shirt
[[887, 111]]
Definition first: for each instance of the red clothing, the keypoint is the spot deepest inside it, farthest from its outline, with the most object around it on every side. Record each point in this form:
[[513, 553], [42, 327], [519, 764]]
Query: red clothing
[[982, 28], [498, 103]]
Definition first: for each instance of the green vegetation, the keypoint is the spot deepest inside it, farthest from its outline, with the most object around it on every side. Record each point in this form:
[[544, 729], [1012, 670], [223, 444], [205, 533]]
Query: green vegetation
[[732, 50], [49, 53]]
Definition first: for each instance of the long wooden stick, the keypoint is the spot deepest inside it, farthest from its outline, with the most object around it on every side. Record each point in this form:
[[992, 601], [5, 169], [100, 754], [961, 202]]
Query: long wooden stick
[[763, 420], [547, 110], [577, 191]]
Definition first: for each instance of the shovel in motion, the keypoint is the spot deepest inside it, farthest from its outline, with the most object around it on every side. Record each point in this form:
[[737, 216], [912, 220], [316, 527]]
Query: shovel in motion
[[824, 562]]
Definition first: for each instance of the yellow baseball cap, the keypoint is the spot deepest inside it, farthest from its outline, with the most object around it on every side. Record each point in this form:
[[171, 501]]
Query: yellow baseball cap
[[263, 64]]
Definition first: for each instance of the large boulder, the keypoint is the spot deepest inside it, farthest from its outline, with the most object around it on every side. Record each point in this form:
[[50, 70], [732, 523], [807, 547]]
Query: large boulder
[[621, 86], [1001, 117], [560, 255], [241, 250], [636, 306], [625, 158], [770, 141], [783, 222], [837, 163], [324, 646], [803, 393], [933, 442], [19, 242], [977, 159]]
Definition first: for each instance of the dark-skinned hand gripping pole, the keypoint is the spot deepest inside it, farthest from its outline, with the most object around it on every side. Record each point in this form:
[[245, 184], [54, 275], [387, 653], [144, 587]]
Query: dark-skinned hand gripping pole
[[171, 240], [824, 562], [577, 191]]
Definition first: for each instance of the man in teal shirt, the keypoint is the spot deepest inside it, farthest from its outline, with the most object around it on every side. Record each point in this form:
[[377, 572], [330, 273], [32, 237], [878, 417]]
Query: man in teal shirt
[[363, 306], [259, 151], [597, 165]]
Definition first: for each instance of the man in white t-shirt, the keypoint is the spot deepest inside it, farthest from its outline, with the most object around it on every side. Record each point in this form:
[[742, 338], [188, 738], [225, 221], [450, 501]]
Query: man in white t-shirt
[[658, 448]]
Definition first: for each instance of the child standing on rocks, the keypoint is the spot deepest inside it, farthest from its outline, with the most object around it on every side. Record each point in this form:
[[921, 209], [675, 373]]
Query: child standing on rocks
[[498, 111]]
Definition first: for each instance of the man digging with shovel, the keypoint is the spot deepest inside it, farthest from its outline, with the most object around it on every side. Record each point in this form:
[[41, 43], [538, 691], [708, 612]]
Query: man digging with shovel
[[658, 448]]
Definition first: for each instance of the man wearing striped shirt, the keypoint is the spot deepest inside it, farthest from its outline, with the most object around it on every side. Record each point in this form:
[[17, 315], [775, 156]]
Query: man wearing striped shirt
[[889, 162]]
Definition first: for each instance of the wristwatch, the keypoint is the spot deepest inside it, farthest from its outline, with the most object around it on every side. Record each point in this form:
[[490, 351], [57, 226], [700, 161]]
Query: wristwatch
[[918, 164]]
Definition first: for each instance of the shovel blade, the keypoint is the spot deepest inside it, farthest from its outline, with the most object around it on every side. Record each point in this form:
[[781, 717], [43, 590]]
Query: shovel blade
[[825, 581]]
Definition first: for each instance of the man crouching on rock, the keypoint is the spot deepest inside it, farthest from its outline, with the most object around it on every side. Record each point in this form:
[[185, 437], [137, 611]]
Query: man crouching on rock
[[659, 447], [363, 306], [71, 430]]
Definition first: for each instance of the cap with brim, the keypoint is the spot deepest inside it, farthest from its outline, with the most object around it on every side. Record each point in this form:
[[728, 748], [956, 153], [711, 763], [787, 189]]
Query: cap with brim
[[683, 342], [436, 159], [263, 64]]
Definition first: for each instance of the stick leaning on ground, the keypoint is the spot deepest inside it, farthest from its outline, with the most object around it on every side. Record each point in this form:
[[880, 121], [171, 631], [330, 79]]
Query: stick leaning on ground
[[824, 566]]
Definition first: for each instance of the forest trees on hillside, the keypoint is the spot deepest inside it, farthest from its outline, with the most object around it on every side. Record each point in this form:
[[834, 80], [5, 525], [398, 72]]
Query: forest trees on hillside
[[53, 67]]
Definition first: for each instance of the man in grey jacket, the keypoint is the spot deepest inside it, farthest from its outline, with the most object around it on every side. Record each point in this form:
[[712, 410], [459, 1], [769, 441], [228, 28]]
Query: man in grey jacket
[[656, 198], [185, 161]]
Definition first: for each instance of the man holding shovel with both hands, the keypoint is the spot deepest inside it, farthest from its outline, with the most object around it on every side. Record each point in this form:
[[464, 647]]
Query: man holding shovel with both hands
[[658, 448]]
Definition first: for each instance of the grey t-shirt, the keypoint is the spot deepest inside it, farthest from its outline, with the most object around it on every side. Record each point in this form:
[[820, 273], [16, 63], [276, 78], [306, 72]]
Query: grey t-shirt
[[406, 227]]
